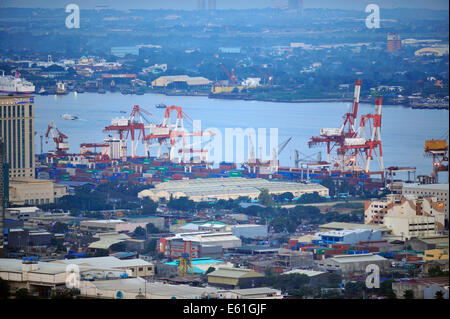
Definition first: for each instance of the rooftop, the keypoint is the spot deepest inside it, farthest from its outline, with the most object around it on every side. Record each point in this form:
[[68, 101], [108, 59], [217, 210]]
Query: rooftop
[[105, 262], [234, 273], [443, 187], [357, 258], [309, 273], [341, 226]]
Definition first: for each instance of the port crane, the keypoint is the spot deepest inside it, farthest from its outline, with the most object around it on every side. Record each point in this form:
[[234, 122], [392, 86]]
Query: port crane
[[61, 146], [231, 75], [355, 146]]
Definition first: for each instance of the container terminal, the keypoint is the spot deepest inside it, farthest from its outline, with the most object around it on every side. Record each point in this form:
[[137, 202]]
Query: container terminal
[[352, 150]]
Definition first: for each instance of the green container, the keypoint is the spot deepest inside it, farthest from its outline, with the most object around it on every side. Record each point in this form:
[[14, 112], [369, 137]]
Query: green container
[[147, 161], [166, 179], [234, 174], [162, 168], [88, 171]]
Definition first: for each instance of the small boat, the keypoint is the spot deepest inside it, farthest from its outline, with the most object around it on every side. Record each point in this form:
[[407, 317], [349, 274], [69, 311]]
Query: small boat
[[68, 116], [42, 91], [101, 91], [80, 90], [161, 106]]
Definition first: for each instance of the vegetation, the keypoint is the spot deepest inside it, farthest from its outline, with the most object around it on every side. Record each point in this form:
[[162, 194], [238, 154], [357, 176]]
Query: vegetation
[[437, 272], [408, 294], [264, 198], [65, 293], [139, 232], [4, 289]]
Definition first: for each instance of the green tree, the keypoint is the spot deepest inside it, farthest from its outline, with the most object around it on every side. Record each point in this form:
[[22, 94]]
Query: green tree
[[59, 227], [264, 198], [22, 293], [152, 229], [149, 206], [408, 294], [139, 232], [4, 289], [439, 295], [65, 293], [354, 289], [209, 270]]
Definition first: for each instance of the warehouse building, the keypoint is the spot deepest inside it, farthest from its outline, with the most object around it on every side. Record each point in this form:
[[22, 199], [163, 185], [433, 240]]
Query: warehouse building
[[137, 288], [204, 244], [349, 236], [181, 82], [212, 189], [133, 267], [232, 278], [251, 231], [352, 264]]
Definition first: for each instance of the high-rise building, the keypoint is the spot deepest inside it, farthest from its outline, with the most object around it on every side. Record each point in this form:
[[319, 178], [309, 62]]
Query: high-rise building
[[393, 42], [212, 4], [201, 4], [17, 131], [4, 190]]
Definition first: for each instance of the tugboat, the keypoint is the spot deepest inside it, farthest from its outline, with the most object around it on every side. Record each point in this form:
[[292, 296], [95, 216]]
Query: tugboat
[[61, 88], [101, 91], [161, 106]]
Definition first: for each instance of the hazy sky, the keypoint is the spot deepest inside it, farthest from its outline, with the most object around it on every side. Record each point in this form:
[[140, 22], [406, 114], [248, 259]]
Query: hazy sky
[[227, 4]]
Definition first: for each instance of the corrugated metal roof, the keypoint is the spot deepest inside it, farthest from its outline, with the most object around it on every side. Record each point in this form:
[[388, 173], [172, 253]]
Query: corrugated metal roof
[[234, 273]]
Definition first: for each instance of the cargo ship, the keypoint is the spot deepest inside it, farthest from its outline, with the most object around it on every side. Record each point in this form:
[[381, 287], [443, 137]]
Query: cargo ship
[[15, 84]]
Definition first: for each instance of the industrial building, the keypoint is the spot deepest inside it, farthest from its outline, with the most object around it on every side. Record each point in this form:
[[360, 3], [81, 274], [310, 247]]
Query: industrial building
[[232, 278], [352, 264], [250, 293], [105, 225], [440, 191], [349, 236], [17, 131], [31, 191], [133, 267], [204, 244], [227, 188], [138, 288], [181, 82], [342, 226], [251, 231]]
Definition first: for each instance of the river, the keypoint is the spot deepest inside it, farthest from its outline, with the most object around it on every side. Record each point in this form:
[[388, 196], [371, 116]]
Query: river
[[404, 130]]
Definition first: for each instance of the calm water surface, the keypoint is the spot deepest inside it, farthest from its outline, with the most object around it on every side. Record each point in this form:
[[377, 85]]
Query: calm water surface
[[404, 130]]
